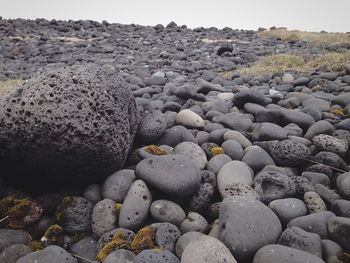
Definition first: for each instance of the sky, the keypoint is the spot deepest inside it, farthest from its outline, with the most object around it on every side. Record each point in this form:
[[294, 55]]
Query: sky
[[308, 15]]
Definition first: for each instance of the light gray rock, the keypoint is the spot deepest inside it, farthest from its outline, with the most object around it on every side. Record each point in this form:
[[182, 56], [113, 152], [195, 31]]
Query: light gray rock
[[189, 119], [320, 127], [10, 237], [233, 149], [52, 254], [104, 217], [167, 211], [207, 249], [257, 158], [117, 185], [135, 209], [268, 132], [85, 248], [172, 174], [184, 240], [217, 162], [12, 253], [192, 151], [237, 136], [278, 253], [314, 202], [288, 209], [242, 231], [120, 256], [329, 143], [194, 222]]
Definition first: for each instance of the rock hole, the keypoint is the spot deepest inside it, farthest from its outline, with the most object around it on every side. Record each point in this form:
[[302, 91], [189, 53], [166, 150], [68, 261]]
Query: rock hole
[[23, 103], [51, 95], [144, 197]]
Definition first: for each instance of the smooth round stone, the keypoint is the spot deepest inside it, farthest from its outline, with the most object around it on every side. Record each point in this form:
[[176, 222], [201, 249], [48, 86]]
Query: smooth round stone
[[293, 130], [289, 153], [237, 136], [329, 143], [316, 178], [320, 127], [10, 237], [192, 151], [234, 172], [343, 185], [248, 95], [171, 174], [268, 132], [156, 256], [52, 254], [239, 189], [225, 96], [298, 238], [176, 135], [201, 198], [12, 253], [339, 231], [194, 222], [217, 136], [75, 214], [104, 217], [288, 209], [233, 149], [152, 127], [120, 256], [314, 223], [257, 158], [93, 193], [217, 162], [189, 119], [273, 185], [330, 159], [135, 209], [207, 249], [202, 137], [167, 211], [184, 240], [235, 121], [212, 127], [85, 248], [314, 202], [117, 185], [341, 207], [242, 231], [329, 196], [331, 250], [166, 235], [287, 78], [279, 253]]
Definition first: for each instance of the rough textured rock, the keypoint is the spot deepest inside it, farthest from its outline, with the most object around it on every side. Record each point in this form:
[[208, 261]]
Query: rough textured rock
[[73, 125], [289, 153]]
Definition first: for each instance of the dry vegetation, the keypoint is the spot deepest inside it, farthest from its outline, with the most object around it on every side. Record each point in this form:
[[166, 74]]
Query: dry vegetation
[[9, 84], [313, 37], [294, 63]]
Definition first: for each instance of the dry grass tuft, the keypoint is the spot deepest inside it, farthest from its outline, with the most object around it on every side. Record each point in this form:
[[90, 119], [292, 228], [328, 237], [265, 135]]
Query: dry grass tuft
[[313, 37], [9, 84], [293, 63]]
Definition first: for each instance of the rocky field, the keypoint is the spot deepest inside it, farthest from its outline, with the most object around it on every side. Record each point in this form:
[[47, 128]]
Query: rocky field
[[126, 143]]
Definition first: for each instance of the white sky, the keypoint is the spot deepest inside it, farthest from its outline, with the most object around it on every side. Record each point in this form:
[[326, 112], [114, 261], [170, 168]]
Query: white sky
[[310, 15]]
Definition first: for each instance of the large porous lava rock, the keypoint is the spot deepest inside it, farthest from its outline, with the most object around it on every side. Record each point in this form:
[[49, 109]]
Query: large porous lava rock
[[72, 125]]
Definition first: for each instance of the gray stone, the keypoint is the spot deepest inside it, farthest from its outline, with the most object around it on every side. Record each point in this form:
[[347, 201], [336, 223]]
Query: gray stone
[[239, 189], [120, 256], [314, 223], [330, 159], [176, 135], [85, 248], [117, 185], [75, 214], [298, 238], [52, 254], [156, 256], [235, 121], [316, 178], [233, 149], [93, 193], [245, 237], [173, 174], [329, 143], [208, 177], [201, 198], [343, 185], [339, 231], [12, 253], [135, 208], [289, 153], [341, 208], [184, 240], [248, 95], [69, 133], [237, 136], [192, 151], [167, 211], [278, 253], [217, 162], [207, 249], [104, 217], [320, 127], [287, 78], [302, 185], [189, 119], [257, 158], [10, 237], [273, 185], [166, 235], [314, 202], [330, 251], [268, 132], [152, 127], [194, 222], [232, 173], [288, 209]]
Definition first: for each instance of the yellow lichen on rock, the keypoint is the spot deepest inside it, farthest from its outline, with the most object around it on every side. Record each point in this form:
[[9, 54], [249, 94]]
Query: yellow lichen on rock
[[154, 149], [118, 241], [36, 245], [53, 235], [144, 239], [217, 150]]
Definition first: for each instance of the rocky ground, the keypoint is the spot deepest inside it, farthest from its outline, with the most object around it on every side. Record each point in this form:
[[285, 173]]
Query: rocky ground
[[206, 164]]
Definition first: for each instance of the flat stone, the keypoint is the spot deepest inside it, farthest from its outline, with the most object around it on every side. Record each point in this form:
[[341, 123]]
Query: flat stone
[[167, 211], [288, 208], [192, 151]]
